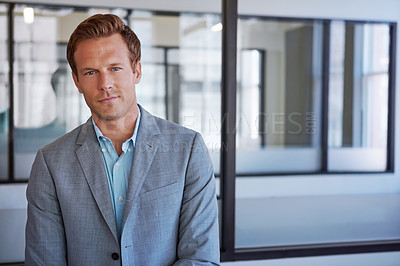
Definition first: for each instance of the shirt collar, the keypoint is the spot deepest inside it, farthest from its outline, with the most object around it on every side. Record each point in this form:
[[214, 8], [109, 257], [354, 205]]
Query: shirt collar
[[100, 135]]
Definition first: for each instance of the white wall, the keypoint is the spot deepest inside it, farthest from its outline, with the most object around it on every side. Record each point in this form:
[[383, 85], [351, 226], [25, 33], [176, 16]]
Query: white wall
[[12, 222], [12, 197]]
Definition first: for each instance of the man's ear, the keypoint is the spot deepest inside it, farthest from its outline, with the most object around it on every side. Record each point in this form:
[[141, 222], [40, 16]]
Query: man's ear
[[76, 81], [138, 72]]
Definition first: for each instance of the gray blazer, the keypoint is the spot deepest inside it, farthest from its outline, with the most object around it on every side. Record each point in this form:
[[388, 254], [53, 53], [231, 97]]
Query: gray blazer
[[170, 218]]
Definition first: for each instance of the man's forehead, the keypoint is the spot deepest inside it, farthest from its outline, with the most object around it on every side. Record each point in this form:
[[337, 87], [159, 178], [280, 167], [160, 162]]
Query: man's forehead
[[100, 45]]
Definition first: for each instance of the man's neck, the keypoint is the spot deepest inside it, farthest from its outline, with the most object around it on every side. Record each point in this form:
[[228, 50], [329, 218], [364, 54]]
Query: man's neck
[[118, 131]]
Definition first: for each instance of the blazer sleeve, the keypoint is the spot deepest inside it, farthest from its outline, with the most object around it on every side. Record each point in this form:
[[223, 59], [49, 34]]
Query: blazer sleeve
[[198, 229], [45, 237]]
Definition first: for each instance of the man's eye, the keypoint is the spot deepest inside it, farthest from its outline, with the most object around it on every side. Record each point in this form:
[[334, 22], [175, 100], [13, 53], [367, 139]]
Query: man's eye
[[89, 73], [116, 68]]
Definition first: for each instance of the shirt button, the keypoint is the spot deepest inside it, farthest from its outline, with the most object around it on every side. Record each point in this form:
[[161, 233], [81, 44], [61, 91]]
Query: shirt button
[[129, 149], [115, 256], [120, 198], [117, 164], [103, 150]]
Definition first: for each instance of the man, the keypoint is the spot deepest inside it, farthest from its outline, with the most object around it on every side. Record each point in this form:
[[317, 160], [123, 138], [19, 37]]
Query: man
[[125, 187]]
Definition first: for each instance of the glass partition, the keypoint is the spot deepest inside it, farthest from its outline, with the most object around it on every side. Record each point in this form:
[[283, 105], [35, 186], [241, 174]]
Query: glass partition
[[46, 102], [279, 96], [358, 97], [181, 62], [181, 71]]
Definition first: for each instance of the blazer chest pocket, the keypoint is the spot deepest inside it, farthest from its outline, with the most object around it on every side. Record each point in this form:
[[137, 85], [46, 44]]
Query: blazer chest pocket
[[164, 194]]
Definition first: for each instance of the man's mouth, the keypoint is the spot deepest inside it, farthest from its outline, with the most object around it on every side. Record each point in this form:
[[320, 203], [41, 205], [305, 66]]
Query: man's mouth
[[108, 99]]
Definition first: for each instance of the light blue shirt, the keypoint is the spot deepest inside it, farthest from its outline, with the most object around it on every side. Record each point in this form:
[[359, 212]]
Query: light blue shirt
[[118, 169]]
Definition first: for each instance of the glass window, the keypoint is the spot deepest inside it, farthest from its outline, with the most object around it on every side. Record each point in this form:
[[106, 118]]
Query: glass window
[[46, 102], [358, 97], [279, 118], [45, 98], [4, 93], [153, 96], [181, 71], [279, 96], [181, 74]]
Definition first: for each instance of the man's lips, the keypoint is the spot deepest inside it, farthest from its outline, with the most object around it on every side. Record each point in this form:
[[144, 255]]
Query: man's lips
[[108, 99]]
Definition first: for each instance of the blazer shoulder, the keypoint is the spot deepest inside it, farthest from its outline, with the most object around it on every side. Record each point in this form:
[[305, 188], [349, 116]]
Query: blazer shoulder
[[63, 142], [171, 129], [154, 125]]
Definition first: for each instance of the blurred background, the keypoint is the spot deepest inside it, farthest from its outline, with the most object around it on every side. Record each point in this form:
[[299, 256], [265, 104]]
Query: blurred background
[[315, 169]]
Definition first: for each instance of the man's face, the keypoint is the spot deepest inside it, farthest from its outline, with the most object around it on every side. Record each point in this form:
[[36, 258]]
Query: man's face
[[106, 77]]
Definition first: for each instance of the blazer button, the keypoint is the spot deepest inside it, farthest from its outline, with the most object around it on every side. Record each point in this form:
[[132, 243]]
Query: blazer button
[[115, 256]]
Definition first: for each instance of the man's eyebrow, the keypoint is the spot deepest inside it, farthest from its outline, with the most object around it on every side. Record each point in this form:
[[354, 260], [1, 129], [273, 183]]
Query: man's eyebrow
[[93, 68], [85, 69]]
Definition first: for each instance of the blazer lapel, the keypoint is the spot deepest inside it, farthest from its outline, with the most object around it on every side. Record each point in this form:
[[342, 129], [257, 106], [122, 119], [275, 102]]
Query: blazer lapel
[[146, 148], [91, 161]]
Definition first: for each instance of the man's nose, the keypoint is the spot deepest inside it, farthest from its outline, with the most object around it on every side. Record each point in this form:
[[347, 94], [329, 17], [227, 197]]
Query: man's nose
[[105, 81]]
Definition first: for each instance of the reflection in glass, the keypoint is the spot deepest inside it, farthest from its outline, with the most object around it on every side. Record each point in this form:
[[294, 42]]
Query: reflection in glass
[[358, 98], [181, 71], [4, 93], [279, 96], [181, 75], [276, 211], [46, 102], [152, 88]]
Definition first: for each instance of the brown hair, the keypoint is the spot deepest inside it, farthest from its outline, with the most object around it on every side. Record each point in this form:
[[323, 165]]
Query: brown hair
[[100, 26]]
